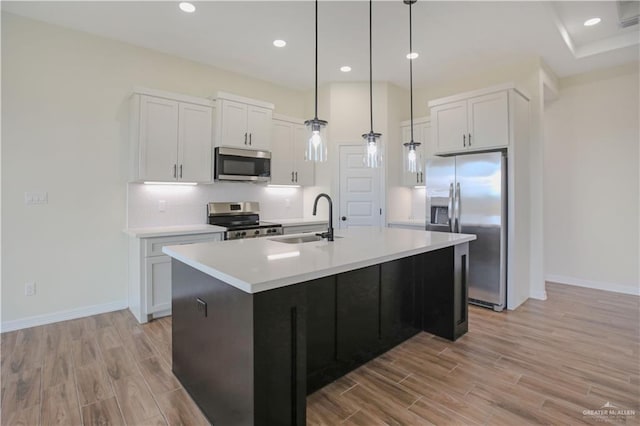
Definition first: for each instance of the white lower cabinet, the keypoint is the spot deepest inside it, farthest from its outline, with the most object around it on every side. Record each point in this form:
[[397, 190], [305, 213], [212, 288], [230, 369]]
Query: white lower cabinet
[[150, 273]]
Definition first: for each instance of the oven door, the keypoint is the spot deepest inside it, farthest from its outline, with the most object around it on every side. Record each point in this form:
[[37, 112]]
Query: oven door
[[242, 165]]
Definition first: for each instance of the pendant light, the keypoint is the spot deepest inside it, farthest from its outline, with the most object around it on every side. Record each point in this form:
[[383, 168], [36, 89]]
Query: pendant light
[[373, 146], [413, 163], [317, 144]]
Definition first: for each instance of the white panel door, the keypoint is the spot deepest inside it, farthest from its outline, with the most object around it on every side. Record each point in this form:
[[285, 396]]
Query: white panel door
[[259, 127], [234, 124], [158, 139], [359, 190], [488, 121], [282, 153], [195, 144], [449, 129], [304, 170]]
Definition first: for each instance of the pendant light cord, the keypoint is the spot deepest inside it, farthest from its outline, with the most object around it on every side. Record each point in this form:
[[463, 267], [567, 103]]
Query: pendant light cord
[[411, 72], [316, 116], [371, 63]]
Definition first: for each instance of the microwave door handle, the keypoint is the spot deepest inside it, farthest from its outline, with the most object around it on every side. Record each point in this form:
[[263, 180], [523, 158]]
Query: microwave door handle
[[450, 208]]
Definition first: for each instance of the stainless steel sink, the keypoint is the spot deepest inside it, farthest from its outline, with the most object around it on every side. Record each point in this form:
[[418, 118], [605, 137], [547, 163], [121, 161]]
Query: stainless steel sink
[[299, 239]]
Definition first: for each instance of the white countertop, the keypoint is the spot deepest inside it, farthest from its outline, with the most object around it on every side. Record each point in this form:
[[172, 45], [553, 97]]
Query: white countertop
[[259, 264], [299, 221], [167, 231]]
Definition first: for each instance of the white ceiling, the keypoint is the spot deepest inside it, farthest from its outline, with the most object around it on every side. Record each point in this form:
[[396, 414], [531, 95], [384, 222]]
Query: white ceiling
[[454, 38]]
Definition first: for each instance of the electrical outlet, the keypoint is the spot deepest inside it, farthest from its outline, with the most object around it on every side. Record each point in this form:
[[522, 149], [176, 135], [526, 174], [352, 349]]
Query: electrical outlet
[[30, 289], [162, 205]]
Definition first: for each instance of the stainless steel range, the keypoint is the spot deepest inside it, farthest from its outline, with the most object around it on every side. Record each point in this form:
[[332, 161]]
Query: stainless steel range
[[242, 220]]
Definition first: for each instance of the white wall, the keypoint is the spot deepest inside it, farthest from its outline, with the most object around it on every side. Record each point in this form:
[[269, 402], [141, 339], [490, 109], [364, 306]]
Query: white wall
[[64, 131], [591, 169]]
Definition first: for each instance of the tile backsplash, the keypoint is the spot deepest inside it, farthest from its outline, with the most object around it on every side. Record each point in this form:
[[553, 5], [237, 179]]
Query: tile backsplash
[[186, 205]]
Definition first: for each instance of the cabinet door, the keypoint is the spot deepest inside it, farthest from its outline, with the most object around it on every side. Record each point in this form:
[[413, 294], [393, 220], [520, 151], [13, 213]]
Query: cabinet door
[[398, 318], [488, 121], [413, 178], [358, 313], [158, 139], [304, 170], [194, 144], [158, 284], [233, 124], [282, 154], [449, 126], [259, 127]]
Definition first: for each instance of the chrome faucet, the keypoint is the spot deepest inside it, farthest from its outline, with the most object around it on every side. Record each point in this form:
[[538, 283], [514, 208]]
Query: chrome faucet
[[329, 234]]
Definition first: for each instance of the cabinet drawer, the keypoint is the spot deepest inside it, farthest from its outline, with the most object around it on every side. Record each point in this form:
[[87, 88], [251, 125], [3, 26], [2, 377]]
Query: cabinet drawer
[[153, 246]]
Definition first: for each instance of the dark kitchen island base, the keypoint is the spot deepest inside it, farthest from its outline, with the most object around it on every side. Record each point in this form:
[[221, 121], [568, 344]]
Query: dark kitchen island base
[[251, 359]]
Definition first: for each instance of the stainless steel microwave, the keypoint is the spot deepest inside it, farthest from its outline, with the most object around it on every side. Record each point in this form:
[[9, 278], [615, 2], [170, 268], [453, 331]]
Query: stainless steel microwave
[[247, 165]]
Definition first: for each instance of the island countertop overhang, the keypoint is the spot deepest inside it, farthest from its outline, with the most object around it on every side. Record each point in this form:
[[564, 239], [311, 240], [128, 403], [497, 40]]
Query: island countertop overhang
[[260, 264]]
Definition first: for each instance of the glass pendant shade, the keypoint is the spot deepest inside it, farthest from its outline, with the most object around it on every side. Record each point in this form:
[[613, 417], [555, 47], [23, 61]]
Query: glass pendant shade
[[316, 140], [372, 149], [413, 162]]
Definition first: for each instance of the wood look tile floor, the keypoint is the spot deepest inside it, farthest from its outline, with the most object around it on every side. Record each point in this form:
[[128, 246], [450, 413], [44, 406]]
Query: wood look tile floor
[[545, 363]]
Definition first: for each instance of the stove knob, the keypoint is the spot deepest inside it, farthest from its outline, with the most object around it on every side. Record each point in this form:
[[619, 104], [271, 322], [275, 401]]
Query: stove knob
[[243, 233], [256, 232]]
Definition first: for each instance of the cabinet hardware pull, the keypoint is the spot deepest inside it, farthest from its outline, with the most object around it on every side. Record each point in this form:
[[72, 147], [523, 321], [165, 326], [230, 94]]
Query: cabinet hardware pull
[[296, 176], [418, 177], [464, 140], [175, 170], [245, 138], [180, 171], [292, 177], [469, 139], [250, 134]]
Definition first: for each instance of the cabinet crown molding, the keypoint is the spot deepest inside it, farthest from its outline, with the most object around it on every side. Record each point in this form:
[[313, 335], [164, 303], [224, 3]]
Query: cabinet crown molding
[[288, 119], [248, 101], [479, 92], [138, 90]]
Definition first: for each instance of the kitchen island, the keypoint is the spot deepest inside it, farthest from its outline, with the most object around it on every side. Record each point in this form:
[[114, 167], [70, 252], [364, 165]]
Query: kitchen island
[[260, 323]]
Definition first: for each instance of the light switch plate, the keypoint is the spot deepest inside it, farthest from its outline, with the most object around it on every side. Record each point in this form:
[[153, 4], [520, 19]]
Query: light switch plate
[[36, 198]]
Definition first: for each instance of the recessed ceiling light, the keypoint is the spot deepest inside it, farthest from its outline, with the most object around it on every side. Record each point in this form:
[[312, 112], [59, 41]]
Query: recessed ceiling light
[[591, 22], [185, 6], [279, 43], [412, 55], [345, 68]]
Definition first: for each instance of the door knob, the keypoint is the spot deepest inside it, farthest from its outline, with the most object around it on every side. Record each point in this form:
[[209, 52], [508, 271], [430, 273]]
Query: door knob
[[343, 218]]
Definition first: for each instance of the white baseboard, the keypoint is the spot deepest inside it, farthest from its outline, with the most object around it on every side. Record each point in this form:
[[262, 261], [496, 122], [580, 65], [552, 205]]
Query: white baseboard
[[62, 316], [597, 285]]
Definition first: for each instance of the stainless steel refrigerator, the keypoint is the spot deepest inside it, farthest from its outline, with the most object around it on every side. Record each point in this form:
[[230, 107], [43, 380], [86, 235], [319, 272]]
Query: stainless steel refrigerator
[[468, 194]]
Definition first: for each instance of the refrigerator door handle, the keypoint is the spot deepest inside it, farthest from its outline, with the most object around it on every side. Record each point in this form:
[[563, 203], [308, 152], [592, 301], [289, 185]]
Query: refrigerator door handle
[[457, 208], [450, 213]]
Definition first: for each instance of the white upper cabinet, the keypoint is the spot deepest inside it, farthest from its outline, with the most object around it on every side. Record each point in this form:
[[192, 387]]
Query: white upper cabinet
[[488, 121], [194, 143], [171, 140], [422, 134], [243, 122], [288, 165], [477, 123]]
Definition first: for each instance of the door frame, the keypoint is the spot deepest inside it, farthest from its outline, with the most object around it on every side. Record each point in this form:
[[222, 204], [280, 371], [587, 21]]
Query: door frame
[[380, 176]]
